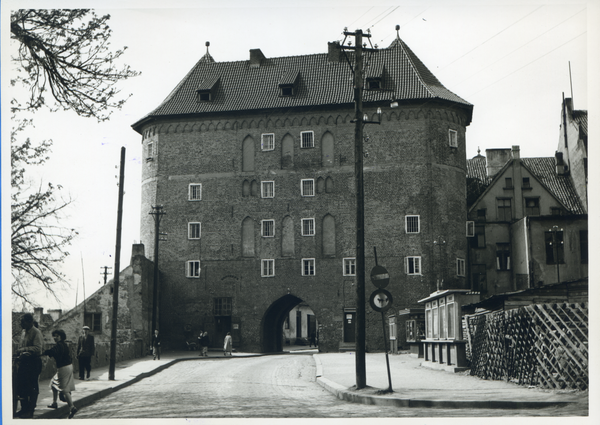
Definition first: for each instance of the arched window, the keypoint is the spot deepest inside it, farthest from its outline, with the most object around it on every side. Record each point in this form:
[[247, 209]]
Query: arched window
[[329, 185], [287, 152], [246, 188], [327, 150], [320, 185], [248, 154], [328, 235], [248, 237], [287, 239]]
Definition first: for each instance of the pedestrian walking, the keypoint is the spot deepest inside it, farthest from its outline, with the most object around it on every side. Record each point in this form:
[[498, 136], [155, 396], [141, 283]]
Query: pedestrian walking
[[63, 382], [156, 345], [85, 350], [227, 344], [205, 343], [313, 339], [29, 366], [201, 343]]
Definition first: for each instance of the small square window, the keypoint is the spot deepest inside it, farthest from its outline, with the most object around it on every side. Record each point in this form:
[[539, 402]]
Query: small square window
[[267, 268], [508, 183], [287, 89], [267, 142], [349, 267], [413, 265], [307, 187], [204, 96], [268, 189], [532, 206], [460, 267], [526, 183], [94, 321], [307, 139], [194, 230], [268, 228], [308, 267], [412, 224], [193, 269], [373, 83], [308, 227], [195, 192], [453, 138], [470, 230]]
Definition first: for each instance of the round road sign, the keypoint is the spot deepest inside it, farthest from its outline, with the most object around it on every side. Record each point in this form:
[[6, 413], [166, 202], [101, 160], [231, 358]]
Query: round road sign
[[380, 276], [381, 300]]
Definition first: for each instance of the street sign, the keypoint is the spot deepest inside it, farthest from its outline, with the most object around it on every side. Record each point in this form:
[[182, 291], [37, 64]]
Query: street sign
[[380, 276], [381, 300]]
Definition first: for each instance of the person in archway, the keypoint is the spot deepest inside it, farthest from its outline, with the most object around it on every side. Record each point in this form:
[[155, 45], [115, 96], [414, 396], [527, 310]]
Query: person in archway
[[156, 345], [227, 344], [63, 381], [313, 339]]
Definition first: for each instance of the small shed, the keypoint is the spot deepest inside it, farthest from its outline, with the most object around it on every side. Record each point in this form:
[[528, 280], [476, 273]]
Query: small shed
[[443, 345]]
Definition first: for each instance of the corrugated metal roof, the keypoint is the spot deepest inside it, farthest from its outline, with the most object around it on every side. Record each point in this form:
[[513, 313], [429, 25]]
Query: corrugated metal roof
[[323, 82]]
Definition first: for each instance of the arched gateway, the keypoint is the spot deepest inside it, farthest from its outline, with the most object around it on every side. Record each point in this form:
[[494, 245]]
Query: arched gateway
[[271, 336]]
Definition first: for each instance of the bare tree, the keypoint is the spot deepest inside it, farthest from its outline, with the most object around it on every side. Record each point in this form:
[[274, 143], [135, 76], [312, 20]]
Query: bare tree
[[64, 61], [61, 52]]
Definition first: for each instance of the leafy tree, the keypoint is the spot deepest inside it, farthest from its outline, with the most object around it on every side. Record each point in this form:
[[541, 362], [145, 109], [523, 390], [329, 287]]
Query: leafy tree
[[60, 53], [64, 61]]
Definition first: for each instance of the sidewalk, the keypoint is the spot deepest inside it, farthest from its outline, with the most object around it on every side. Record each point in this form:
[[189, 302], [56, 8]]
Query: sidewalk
[[412, 384]]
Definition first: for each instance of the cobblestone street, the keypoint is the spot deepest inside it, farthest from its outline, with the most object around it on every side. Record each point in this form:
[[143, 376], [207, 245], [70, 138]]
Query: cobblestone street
[[261, 387]]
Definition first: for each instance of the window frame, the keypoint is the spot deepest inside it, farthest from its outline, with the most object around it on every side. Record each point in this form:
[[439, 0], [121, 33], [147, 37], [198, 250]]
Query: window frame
[[349, 264], [302, 188], [549, 245], [264, 265], [188, 269], [190, 191], [503, 255], [501, 205], [452, 138], [417, 265], [460, 267], [308, 261], [271, 145], [406, 225], [308, 220], [190, 232], [262, 189], [94, 321], [150, 150], [533, 209], [312, 139], [470, 229], [263, 226]]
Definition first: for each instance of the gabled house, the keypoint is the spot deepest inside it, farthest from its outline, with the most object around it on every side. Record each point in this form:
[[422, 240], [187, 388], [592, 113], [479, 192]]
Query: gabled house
[[527, 226]]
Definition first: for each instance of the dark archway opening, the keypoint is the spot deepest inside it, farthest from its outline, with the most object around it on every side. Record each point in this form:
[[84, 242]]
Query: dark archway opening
[[271, 335]]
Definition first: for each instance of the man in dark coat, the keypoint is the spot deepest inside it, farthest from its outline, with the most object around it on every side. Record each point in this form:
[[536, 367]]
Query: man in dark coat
[[30, 366], [85, 351], [156, 345]]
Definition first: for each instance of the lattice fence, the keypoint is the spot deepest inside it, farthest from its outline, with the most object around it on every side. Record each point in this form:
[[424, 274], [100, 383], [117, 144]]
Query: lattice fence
[[544, 345]]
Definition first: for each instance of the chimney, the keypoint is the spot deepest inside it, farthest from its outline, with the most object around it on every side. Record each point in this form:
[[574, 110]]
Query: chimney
[[137, 249], [516, 152], [55, 314], [256, 56], [334, 52], [561, 168], [496, 159], [37, 314]]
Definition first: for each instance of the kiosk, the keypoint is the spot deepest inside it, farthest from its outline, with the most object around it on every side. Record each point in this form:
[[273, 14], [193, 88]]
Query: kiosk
[[443, 346]]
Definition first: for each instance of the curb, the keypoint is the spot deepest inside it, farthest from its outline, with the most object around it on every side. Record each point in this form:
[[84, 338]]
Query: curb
[[343, 393]]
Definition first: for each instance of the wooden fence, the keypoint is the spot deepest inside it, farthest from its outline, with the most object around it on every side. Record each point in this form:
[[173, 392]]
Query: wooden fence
[[543, 345]]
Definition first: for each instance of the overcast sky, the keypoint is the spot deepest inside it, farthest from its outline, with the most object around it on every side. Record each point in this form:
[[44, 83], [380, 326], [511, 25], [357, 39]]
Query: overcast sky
[[510, 61]]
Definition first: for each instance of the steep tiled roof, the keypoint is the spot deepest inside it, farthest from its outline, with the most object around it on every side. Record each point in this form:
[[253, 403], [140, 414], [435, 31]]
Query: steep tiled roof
[[321, 82], [580, 117], [544, 170]]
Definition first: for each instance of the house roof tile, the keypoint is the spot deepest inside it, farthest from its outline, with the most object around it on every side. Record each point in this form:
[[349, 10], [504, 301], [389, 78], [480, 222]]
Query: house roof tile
[[322, 82]]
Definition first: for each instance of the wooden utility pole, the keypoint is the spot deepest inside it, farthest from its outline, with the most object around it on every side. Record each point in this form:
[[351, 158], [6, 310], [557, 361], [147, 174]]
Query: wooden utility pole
[[157, 214], [113, 331]]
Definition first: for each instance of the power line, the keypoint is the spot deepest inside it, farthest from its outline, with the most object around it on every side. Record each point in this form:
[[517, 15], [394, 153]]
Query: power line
[[526, 65], [360, 17], [384, 17], [492, 37], [518, 48]]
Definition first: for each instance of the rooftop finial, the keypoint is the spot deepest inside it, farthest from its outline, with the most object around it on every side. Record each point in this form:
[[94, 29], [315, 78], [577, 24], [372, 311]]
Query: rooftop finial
[[398, 31], [207, 44]]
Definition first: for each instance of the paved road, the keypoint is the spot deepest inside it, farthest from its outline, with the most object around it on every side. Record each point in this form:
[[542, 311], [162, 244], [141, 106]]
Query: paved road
[[258, 387]]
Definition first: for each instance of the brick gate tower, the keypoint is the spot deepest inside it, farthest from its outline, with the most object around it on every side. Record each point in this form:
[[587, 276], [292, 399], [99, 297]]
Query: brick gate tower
[[253, 163]]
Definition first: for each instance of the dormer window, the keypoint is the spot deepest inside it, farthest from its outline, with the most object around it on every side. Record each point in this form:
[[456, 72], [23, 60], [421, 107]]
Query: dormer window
[[288, 83], [207, 89], [373, 83]]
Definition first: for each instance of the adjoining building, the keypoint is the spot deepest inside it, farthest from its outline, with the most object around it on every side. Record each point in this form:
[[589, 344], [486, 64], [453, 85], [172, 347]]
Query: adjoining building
[[253, 164]]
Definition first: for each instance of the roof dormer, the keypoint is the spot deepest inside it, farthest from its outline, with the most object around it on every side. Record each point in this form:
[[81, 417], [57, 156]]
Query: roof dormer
[[374, 77], [288, 83], [207, 88]]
